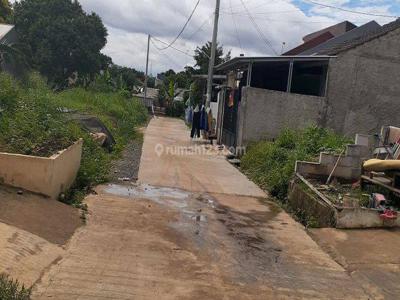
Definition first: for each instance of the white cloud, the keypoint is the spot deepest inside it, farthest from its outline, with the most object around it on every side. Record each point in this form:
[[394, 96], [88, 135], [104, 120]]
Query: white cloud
[[129, 22]]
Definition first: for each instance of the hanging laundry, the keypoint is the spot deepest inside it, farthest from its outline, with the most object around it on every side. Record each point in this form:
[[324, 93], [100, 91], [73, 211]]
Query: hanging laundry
[[196, 123], [203, 119], [210, 121], [231, 101], [189, 115]]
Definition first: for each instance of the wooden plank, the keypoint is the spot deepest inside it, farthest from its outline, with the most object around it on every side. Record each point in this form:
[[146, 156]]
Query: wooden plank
[[377, 182], [319, 194]]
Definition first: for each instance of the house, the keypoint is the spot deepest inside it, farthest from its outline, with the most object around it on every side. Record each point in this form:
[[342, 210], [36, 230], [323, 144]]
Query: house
[[348, 82], [181, 95], [151, 97], [8, 36]]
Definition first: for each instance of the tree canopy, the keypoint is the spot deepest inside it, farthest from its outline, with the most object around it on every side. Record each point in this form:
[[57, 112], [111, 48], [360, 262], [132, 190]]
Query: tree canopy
[[60, 38], [5, 11], [203, 53]]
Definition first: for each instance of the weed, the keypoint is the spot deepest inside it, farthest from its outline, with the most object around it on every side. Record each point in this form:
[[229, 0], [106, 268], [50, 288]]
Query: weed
[[32, 122], [12, 290], [271, 164]]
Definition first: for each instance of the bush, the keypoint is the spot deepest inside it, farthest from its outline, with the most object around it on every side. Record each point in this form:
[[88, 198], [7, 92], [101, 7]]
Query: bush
[[11, 290], [32, 122], [271, 164], [176, 109], [119, 114]]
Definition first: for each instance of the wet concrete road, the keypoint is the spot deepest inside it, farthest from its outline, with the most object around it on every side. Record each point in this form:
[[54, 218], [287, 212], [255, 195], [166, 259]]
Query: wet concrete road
[[193, 228]]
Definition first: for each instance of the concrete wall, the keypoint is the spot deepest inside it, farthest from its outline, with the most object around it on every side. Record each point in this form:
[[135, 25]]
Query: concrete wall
[[363, 88], [47, 176], [264, 113]]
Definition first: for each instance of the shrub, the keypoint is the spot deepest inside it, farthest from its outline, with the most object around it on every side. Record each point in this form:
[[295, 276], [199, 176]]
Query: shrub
[[176, 109], [12, 290], [32, 122], [271, 164]]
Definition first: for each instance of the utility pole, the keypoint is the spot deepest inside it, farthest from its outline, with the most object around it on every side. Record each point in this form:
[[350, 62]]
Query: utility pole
[[212, 58], [147, 72]]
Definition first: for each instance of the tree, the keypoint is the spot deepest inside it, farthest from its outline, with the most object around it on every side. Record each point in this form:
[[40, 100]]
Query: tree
[[61, 38], [203, 53], [5, 11]]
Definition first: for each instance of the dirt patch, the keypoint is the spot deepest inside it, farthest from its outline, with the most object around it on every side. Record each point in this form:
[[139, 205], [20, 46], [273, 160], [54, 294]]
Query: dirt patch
[[127, 167], [46, 218]]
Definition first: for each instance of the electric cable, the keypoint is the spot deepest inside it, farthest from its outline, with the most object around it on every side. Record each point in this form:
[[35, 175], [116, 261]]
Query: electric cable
[[261, 34], [349, 10], [236, 29], [184, 27]]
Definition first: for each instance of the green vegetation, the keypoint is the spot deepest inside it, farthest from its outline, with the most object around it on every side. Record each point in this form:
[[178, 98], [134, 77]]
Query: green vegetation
[[60, 39], [176, 110], [33, 123], [12, 290], [5, 11], [271, 164]]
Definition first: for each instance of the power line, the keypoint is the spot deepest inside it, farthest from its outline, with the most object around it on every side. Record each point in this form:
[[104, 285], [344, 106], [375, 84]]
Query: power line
[[349, 10], [261, 34], [200, 27], [172, 47], [263, 13], [165, 54], [295, 21], [235, 25], [184, 27]]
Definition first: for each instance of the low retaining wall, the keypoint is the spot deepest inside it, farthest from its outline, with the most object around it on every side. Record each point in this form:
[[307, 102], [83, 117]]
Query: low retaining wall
[[304, 203], [49, 176], [312, 205], [362, 218]]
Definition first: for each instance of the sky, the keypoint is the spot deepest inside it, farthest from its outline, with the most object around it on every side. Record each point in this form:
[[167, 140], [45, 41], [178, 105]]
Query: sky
[[281, 21]]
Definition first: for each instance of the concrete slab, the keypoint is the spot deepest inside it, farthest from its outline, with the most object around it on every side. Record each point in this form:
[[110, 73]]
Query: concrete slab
[[48, 219], [25, 256], [194, 228], [370, 256], [145, 242], [163, 164]]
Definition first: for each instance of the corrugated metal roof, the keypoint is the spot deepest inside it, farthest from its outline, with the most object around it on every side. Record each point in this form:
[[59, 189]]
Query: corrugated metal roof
[[243, 60], [4, 29], [369, 36]]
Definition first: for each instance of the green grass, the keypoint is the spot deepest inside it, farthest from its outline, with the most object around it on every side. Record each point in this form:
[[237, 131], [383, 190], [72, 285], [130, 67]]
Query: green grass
[[32, 122], [271, 164], [12, 290], [120, 114]]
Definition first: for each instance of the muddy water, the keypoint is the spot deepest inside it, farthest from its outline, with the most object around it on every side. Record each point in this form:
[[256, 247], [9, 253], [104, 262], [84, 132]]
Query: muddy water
[[234, 240]]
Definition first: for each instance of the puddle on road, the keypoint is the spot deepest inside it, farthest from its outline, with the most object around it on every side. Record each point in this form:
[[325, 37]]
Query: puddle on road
[[193, 218], [211, 227], [160, 195]]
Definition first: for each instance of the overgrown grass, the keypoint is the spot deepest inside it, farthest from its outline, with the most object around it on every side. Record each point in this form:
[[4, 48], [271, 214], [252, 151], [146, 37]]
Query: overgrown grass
[[271, 164], [120, 114], [12, 290], [32, 122]]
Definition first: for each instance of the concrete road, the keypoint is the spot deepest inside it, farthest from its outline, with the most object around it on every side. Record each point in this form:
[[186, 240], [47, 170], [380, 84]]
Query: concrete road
[[193, 228], [371, 257]]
